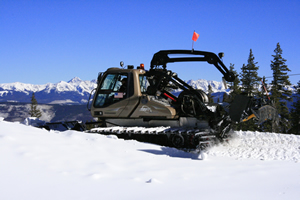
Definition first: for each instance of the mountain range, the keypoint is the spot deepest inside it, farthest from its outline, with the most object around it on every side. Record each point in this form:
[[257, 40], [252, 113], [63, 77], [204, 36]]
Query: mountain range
[[62, 101], [75, 91], [66, 101]]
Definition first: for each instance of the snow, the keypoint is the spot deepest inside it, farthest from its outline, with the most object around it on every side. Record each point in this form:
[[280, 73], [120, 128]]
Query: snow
[[66, 101], [263, 146], [75, 80], [33, 121], [203, 85], [38, 164]]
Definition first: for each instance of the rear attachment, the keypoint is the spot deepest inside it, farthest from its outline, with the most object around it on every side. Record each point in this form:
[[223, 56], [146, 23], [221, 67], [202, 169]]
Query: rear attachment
[[244, 108]]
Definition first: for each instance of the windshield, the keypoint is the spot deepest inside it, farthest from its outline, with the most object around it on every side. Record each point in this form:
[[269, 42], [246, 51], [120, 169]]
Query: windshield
[[113, 82], [113, 89]]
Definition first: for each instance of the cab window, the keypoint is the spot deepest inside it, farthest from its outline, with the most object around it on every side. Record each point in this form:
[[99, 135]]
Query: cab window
[[113, 88], [143, 83]]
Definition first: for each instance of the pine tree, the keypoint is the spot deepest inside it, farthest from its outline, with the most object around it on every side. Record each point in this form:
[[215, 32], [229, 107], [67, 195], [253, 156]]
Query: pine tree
[[280, 93], [295, 113], [234, 86], [34, 111], [250, 79], [249, 82], [210, 97]]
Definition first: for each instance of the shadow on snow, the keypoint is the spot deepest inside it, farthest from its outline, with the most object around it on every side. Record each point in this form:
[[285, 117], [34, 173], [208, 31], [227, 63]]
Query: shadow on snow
[[173, 152]]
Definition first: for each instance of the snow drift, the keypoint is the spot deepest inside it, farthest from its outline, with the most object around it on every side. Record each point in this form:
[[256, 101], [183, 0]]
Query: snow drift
[[259, 145]]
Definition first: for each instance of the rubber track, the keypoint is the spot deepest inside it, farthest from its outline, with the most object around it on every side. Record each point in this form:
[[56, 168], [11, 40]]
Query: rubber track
[[181, 138]]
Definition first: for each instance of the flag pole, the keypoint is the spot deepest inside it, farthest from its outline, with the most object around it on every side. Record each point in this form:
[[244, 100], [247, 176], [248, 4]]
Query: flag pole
[[193, 46], [193, 42]]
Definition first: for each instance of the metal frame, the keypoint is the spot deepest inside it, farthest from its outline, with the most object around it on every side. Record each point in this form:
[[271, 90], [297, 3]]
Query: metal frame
[[161, 58]]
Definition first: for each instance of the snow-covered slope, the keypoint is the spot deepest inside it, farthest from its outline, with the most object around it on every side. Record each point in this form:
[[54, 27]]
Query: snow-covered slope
[[203, 85], [37, 164], [50, 112], [19, 112]]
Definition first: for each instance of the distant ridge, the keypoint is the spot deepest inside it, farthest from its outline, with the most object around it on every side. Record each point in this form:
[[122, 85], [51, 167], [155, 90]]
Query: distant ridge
[[76, 91], [65, 101]]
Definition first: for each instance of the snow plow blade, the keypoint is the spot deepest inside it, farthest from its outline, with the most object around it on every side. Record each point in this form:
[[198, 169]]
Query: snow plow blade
[[265, 113], [244, 108]]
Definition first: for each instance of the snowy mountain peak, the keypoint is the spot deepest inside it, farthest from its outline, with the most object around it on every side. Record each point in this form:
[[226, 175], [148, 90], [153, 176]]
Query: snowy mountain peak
[[75, 80], [203, 85]]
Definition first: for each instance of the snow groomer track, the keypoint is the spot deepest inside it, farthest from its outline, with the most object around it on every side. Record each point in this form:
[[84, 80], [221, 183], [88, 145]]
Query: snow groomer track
[[185, 138]]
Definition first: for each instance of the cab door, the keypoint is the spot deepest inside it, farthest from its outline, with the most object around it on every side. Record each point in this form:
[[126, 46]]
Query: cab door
[[113, 97]]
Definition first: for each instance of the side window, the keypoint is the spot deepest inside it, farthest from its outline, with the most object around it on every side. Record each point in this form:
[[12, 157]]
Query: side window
[[122, 83], [143, 83]]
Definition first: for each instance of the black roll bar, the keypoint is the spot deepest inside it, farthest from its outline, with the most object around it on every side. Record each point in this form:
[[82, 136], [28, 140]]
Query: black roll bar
[[161, 58]]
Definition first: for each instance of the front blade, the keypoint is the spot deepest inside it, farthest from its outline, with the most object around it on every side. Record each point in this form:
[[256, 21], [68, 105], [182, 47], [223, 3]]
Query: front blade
[[265, 113]]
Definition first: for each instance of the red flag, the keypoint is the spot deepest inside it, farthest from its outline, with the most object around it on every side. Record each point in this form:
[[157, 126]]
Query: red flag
[[195, 36]]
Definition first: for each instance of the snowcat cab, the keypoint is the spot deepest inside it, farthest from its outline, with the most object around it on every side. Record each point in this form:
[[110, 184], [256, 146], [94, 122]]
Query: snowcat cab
[[119, 106]]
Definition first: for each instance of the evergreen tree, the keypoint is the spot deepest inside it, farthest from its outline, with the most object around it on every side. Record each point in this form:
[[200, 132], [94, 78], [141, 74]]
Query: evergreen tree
[[226, 97], [234, 86], [34, 111], [250, 79], [210, 97], [295, 113], [249, 86], [280, 93]]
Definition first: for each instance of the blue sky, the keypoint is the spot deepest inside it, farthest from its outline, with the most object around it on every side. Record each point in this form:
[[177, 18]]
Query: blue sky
[[49, 41]]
